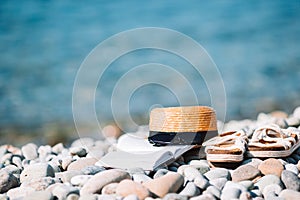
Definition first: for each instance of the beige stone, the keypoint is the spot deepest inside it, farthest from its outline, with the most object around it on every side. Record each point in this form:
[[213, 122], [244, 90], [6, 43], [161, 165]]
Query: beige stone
[[244, 172], [271, 166], [110, 188], [99, 180], [289, 194], [169, 183], [128, 187], [81, 163]]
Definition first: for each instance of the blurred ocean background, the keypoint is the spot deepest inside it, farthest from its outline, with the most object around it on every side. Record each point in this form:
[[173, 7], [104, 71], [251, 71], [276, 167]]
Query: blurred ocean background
[[255, 44]]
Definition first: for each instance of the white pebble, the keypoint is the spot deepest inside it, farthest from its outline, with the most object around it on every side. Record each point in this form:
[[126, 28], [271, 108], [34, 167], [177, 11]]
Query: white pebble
[[62, 191], [79, 151], [291, 167], [29, 151], [36, 171], [80, 180]]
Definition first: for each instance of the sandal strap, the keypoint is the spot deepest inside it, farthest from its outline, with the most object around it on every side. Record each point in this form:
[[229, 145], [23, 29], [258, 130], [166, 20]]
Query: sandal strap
[[273, 134], [292, 130], [227, 138], [238, 143], [237, 139]]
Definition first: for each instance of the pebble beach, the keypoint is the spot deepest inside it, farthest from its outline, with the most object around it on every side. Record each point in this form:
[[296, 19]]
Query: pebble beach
[[73, 172]]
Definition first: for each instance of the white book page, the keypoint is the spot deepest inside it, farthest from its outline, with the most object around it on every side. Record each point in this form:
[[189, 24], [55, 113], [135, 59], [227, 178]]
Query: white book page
[[126, 160], [133, 151], [138, 145], [131, 143]]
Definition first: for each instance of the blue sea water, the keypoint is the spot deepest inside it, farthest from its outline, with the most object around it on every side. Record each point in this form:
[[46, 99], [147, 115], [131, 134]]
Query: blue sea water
[[255, 44]]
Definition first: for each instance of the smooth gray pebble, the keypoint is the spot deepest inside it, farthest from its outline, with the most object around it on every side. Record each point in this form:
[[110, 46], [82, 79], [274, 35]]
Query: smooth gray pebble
[[230, 193], [190, 190], [219, 182], [217, 173], [174, 196], [214, 191], [291, 167], [202, 182], [290, 180]]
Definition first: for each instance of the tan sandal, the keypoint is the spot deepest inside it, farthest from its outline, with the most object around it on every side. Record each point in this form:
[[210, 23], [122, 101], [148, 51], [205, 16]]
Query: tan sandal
[[272, 141], [227, 147]]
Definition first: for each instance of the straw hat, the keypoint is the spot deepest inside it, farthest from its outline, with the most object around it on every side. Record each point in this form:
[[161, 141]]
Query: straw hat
[[181, 125]]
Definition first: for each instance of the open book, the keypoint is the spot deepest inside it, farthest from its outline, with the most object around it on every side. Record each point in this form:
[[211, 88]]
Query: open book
[[133, 151]]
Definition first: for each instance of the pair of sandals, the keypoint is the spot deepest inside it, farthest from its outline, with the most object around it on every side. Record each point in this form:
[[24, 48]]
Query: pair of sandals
[[266, 141]]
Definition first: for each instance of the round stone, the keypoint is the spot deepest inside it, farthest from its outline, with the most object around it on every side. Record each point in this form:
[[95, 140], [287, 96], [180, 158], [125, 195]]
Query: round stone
[[174, 196], [268, 180], [293, 121], [230, 184], [271, 166], [201, 165], [131, 197], [95, 152], [127, 187], [73, 197], [161, 172], [136, 170], [7, 181], [96, 197], [79, 151], [44, 151], [181, 168], [291, 167], [36, 171], [98, 181], [190, 190], [55, 163], [141, 178], [17, 161], [296, 112], [62, 191], [169, 183], [245, 196], [19, 192], [199, 162], [217, 173], [190, 173], [255, 162], [82, 163], [92, 170], [202, 182], [66, 161], [39, 184], [110, 188], [290, 180], [245, 172], [230, 193], [80, 180], [289, 194], [58, 148], [214, 191], [256, 193], [66, 176], [271, 190], [218, 182], [29, 151], [12, 169], [38, 195]]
